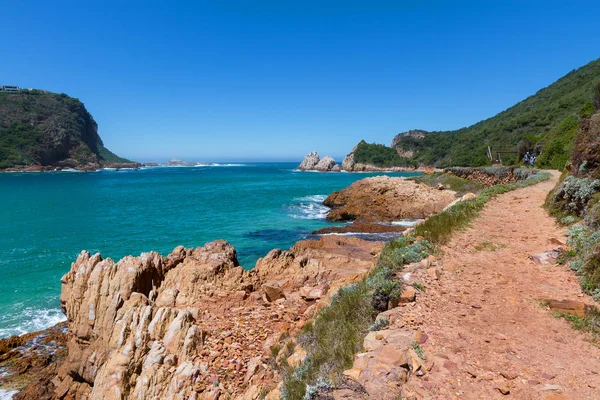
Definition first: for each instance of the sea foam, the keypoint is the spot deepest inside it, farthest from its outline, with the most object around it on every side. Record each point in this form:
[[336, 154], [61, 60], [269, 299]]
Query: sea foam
[[309, 207], [30, 320]]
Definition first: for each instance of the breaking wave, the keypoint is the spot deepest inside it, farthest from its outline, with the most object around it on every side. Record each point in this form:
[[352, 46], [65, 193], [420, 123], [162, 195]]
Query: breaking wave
[[308, 207]]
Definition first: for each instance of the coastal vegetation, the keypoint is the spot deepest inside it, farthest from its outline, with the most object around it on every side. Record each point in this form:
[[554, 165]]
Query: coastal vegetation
[[380, 155], [544, 123], [575, 202], [338, 331], [449, 181], [49, 129]]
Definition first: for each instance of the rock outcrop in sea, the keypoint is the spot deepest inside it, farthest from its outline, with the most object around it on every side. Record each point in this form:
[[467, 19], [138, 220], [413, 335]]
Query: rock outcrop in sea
[[312, 162], [382, 198], [193, 324]]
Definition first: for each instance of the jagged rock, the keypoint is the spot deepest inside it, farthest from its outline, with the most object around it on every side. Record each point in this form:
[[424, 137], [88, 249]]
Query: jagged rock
[[348, 163], [313, 293], [116, 331], [327, 163], [408, 295], [273, 291], [297, 357], [310, 161], [191, 324], [383, 198]]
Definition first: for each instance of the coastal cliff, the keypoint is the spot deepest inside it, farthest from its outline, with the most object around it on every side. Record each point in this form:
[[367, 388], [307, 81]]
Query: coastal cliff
[[41, 130]]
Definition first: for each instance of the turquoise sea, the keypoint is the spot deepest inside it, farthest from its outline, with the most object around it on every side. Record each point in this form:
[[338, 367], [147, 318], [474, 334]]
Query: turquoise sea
[[46, 219]]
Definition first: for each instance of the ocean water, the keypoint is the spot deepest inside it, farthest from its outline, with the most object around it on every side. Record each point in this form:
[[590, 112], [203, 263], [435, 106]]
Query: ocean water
[[46, 219]]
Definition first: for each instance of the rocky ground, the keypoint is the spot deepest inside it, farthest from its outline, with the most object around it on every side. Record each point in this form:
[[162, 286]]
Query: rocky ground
[[382, 198], [31, 356], [474, 324], [193, 324]]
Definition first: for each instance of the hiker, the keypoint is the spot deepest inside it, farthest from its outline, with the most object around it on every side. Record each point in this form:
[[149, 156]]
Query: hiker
[[532, 160], [527, 159]]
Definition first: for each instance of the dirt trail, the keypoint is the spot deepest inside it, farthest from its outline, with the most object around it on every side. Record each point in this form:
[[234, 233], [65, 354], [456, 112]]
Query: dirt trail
[[484, 321]]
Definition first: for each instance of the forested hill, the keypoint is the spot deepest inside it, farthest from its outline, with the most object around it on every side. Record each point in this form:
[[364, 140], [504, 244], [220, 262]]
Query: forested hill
[[544, 123], [42, 129]]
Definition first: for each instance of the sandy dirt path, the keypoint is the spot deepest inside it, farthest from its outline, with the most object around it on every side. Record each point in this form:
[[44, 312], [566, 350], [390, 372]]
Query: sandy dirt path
[[486, 328]]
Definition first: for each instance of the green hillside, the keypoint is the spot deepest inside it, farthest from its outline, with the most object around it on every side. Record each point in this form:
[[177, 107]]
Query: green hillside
[[47, 129], [545, 122]]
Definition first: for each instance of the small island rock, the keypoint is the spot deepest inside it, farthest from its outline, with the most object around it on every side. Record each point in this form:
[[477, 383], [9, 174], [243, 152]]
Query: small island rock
[[312, 162]]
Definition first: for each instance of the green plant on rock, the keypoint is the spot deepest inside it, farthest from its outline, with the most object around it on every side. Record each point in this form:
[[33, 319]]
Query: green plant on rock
[[379, 324], [417, 348]]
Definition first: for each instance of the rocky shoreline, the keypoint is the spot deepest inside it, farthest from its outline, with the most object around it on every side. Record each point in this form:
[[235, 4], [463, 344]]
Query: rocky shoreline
[[194, 323], [82, 168], [191, 324]]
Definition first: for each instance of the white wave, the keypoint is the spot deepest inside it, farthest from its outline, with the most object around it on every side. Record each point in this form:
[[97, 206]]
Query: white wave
[[7, 394], [31, 320], [407, 222], [68, 170], [316, 198], [309, 207]]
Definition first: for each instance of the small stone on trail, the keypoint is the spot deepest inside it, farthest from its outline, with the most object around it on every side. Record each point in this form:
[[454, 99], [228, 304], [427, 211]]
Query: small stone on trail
[[548, 387], [567, 307], [509, 375], [421, 337], [503, 388], [408, 295]]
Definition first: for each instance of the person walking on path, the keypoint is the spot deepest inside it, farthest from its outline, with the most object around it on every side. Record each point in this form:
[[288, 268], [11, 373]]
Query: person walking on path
[[526, 159]]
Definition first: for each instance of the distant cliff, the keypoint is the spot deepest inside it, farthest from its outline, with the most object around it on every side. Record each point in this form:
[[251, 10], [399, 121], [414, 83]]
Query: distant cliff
[[41, 130]]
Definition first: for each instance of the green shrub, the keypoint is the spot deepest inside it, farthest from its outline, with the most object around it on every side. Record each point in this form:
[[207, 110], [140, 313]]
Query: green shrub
[[574, 194], [587, 110], [592, 215], [450, 181], [379, 324], [585, 256]]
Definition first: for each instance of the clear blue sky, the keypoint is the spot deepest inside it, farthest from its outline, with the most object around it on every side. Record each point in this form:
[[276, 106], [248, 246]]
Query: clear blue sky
[[257, 80]]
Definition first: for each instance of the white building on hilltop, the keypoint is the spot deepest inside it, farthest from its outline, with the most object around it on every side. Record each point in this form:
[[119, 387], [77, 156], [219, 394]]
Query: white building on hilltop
[[9, 88]]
